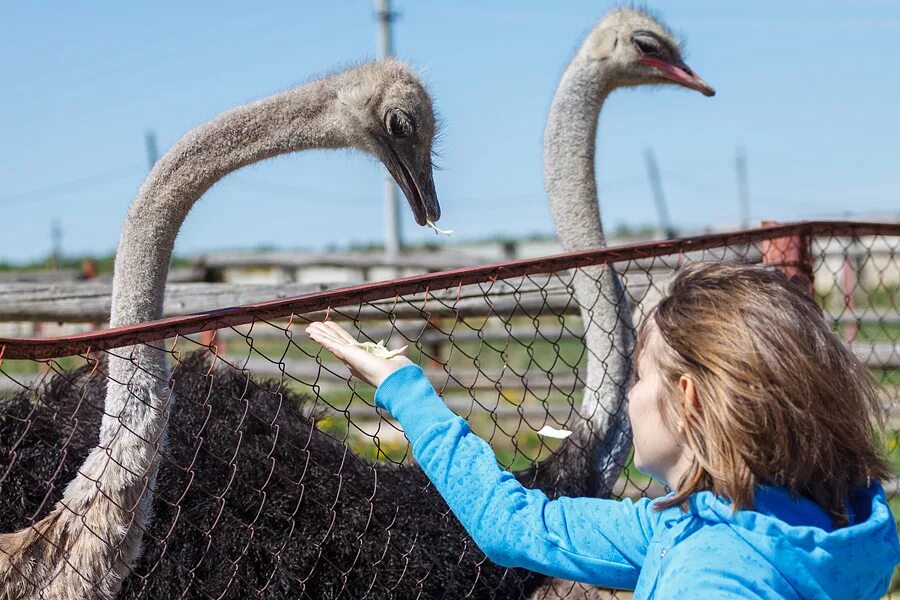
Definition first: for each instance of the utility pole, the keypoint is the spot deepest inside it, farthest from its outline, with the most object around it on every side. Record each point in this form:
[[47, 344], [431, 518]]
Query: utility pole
[[665, 224], [152, 157], [152, 151], [740, 167], [393, 243], [55, 244]]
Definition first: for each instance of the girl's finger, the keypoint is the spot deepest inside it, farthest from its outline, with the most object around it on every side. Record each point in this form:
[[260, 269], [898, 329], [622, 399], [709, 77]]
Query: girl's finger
[[323, 331], [340, 332], [316, 332], [326, 339], [333, 333]]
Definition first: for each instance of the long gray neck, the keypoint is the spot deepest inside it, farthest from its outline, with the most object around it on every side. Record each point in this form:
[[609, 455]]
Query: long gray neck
[[117, 477], [287, 122], [603, 434], [569, 144]]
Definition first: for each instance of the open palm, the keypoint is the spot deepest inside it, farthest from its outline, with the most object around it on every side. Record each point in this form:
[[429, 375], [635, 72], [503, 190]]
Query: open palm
[[362, 364]]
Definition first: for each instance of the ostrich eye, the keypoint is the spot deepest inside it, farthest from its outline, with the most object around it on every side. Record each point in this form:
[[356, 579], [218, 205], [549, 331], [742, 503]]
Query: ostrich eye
[[647, 45], [398, 123]]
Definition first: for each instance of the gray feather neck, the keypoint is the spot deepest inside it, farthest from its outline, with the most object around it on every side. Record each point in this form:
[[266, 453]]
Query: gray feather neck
[[287, 122], [122, 468], [569, 146], [295, 120]]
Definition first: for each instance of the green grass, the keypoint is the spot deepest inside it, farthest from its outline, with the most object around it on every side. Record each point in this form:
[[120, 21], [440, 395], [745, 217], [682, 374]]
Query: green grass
[[17, 368], [881, 296], [871, 332], [888, 377], [103, 263]]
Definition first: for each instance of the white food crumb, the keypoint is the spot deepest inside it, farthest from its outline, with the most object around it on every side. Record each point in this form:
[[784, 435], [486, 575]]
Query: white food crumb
[[379, 349], [438, 230], [559, 434]]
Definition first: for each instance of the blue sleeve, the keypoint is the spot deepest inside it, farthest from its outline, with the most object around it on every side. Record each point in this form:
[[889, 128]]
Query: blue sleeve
[[596, 541]]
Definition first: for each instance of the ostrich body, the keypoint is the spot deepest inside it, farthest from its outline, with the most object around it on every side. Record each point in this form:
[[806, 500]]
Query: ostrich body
[[92, 538]]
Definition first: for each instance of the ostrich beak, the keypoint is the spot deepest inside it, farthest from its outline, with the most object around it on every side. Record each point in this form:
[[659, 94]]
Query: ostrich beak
[[680, 73], [415, 178]]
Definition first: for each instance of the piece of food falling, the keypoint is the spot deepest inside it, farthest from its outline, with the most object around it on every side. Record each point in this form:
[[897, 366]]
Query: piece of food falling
[[379, 349], [552, 432], [438, 230]]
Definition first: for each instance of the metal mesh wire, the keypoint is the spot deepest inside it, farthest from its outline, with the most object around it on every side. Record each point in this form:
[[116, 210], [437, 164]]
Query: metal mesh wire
[[281, 479]]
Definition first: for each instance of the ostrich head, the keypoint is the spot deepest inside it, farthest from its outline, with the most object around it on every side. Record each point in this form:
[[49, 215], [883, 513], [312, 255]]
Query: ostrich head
[[388, 114], [641, 50]]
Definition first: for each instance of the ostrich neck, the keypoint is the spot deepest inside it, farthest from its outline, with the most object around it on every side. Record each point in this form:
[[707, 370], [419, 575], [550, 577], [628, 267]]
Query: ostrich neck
[[287, 122], [569, 145], [114, 484], [594, 456]]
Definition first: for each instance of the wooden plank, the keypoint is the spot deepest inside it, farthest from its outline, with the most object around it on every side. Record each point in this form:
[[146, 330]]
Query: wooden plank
[[496, 331], [311, 373], [89, 302]]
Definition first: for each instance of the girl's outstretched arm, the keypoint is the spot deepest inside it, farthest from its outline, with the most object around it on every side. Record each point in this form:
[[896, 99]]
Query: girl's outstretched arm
[[596, 541]]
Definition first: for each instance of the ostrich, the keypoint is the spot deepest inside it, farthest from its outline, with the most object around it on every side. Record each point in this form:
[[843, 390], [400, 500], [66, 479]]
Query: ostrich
[[628, 48], [92, 537], [321, 523]]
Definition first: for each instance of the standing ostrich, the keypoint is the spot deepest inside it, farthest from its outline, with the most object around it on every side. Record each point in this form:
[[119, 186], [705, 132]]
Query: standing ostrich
[[303, 517], [92, 538], [628, 48]]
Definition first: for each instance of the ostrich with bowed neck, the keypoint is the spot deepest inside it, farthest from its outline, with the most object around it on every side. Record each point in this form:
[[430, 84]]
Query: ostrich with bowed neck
[[92, 537]]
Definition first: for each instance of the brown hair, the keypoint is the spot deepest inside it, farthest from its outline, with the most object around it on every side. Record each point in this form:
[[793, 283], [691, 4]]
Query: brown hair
[[780, 399]]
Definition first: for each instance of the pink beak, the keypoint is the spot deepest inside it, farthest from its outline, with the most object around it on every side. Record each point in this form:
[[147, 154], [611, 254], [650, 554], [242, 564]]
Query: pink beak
[[681, 74]]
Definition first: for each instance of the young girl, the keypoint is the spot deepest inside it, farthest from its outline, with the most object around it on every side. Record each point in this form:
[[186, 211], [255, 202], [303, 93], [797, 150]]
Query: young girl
[[744, 403]]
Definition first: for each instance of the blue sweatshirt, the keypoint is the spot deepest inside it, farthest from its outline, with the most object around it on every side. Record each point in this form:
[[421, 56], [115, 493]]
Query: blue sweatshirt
[[784, 548]]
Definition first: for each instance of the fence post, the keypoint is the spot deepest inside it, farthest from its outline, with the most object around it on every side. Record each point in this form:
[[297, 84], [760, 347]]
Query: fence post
[[792, 255], [849, 279], [208, 339]]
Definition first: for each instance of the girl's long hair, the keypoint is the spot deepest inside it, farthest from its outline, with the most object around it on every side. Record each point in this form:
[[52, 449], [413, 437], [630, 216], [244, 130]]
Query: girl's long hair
[[780, 399]]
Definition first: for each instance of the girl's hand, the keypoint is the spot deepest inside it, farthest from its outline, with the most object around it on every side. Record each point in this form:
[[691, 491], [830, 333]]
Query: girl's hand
[[363, 365]]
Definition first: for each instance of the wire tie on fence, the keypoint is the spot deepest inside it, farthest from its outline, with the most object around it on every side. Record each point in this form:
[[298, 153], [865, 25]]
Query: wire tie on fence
[[212, 363], [96, 364], [327, 312], [2, 352], [287, 330]]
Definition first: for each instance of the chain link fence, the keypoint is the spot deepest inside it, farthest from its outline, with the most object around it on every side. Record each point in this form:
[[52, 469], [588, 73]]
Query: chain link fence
[[280, 478]]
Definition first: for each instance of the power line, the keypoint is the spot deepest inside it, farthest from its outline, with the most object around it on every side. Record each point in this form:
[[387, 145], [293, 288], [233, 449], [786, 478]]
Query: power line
[[73, 185], [55, 244], [740, 167], [152, 149]]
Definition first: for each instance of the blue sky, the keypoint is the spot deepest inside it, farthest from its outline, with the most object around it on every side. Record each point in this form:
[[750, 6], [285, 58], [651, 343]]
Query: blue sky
[[809, 88]]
